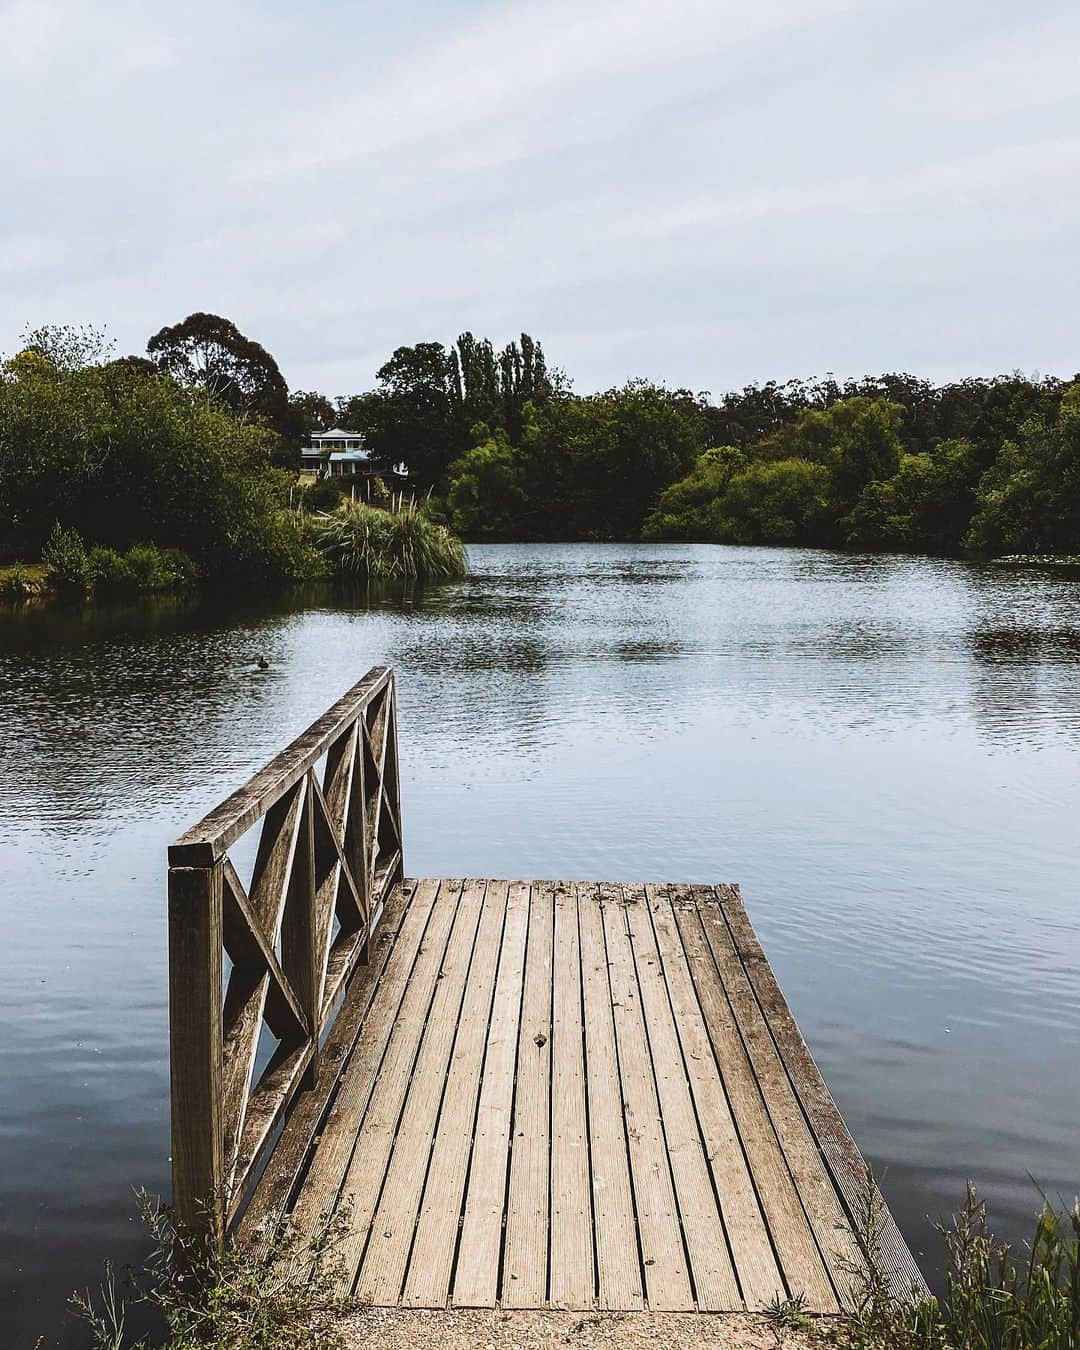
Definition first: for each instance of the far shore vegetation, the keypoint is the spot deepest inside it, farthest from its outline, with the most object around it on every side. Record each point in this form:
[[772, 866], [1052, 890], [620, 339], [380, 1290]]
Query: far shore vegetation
[[180, 468]]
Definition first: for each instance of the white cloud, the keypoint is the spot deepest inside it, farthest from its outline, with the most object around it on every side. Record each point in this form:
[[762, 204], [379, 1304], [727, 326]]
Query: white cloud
[[704, 192]]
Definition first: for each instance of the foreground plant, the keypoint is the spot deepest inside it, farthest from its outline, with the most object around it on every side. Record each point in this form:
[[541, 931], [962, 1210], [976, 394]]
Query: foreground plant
[[993, 1300], [285, 1301]]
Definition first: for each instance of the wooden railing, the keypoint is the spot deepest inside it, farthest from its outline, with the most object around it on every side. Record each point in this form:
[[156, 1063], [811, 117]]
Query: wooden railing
[[329, 851]]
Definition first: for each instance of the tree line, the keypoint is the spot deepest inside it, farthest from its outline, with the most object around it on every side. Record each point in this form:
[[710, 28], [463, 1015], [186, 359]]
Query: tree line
[[889, 462], [195, 446]]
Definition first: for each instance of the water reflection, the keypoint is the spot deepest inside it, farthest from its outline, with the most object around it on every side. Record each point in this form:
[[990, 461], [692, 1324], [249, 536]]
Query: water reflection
[[883, 750]]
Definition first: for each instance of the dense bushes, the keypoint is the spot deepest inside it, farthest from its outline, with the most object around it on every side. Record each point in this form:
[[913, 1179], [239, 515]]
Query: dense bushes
[[885, 462], [73, 569], [127, 451], [122, 455], [841, 477]]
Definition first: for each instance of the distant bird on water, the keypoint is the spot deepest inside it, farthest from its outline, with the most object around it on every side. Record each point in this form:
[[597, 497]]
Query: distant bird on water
[[262, 663]]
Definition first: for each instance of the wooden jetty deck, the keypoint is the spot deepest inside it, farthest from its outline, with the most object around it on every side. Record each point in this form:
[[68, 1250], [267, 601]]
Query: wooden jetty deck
[[518, 1094]]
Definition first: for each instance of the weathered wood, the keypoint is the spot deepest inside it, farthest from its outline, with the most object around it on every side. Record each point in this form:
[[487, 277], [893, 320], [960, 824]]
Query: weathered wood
[[375, 1140], [744, 1223], [572, 1282], [245, 1000], [337, 1139], [260, 1221], [248, 945], [315, 870], [195, 973], [430, 1266], [792, 1240], [691, 1180], [836, 1242], [536, 1094], [715, 1286], [667, 1277], [266, 1105], [846, 1163], [382, 1273], [476, 1280], [274, 860], [205, 842], [299, 929], [618, 1261], [528, 1208]]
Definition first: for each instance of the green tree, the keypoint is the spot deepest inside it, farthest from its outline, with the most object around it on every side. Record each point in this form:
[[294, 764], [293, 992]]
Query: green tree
[[621, 449], [858, 439], [485, 496], [683, 511], [416, 414], [1029, 500], [785, 501], [123, 457], [312, 411], [925, 507], [208, 353]]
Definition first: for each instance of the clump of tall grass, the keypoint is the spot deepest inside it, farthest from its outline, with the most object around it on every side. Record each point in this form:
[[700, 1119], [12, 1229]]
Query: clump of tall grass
[[994, 1299], [363, 541], [287, 1300]]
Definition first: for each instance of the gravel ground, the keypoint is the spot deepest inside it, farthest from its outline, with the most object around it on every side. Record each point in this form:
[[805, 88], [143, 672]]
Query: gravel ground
[[415, 1329]]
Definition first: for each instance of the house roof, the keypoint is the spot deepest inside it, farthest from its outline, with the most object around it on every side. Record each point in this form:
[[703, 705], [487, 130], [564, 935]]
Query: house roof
[[336, 434]]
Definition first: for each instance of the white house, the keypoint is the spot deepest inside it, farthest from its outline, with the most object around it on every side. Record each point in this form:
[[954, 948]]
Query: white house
[[334, 453]]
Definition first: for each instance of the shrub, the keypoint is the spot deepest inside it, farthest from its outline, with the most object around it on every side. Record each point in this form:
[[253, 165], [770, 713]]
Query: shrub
[[16, 583], [237, 1301], [67, 565], [992, 1301], [124, 456], [108, 570], [367, 542], [144, 567], [323, 496]]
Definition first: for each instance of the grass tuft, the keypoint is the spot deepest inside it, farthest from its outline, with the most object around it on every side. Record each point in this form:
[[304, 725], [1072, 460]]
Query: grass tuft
[[287, 1301], [994, 1300], [367, 542]]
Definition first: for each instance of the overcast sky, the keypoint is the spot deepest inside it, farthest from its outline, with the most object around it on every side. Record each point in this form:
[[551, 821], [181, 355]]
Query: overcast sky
[[703, 193]]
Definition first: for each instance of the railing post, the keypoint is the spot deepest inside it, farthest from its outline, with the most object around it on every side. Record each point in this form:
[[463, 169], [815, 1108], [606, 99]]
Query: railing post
[[394, 771], [356, 836], [299, 929], [195, 1042]]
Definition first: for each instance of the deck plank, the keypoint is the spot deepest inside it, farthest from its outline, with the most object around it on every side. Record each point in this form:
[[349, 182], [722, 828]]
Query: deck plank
[[715, 1286], [427, 1284], [845, 1161], [376, 979], [374, 1141], [667, 1278], [318, 1195], [618, 1259], [382, 1273], [572, 1259], [836, 1242], [792, 1240], [574, 1096], [748, 1235], [528, 1201], [476, 1276]]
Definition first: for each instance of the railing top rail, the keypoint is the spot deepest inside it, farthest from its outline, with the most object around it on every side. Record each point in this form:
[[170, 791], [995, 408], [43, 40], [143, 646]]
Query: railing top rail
[[203, 844]]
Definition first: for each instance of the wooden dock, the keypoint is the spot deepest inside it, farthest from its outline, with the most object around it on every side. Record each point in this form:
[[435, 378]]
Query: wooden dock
[[545, 1094]]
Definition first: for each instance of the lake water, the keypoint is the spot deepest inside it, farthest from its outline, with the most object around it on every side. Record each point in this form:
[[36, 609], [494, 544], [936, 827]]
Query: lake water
[[885, 752]]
